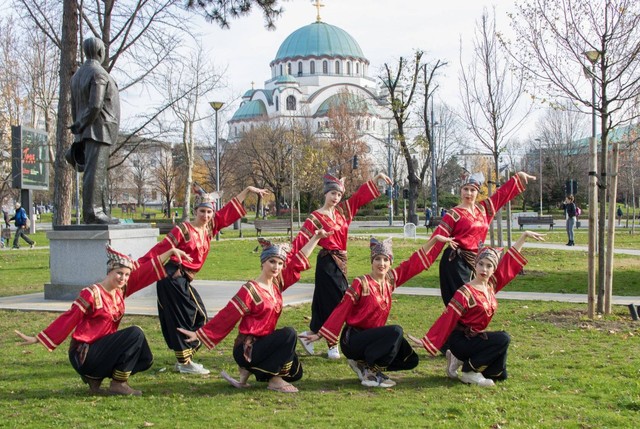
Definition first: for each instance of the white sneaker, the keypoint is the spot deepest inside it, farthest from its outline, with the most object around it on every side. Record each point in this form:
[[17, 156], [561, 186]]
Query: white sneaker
[[472, 377], [306, 345], [333, 353], [357, 367], [191, 368], [453, 363], [372, 379]]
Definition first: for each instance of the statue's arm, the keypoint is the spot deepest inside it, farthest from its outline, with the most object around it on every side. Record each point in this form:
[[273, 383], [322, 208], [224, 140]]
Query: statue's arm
[[96, 99]]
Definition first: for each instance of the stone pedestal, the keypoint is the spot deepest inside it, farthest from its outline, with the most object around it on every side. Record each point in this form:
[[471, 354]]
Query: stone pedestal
[[78, 257]]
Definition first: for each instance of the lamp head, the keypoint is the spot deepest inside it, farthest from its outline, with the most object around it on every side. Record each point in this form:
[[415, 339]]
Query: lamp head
[[592, 56], [217, 105]]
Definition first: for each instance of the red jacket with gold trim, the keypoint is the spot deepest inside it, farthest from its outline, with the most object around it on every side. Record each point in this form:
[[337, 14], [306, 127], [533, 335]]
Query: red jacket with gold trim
[[344, 214], [470, 229], [184, 237], [96, 313], [470, 308], [256, 309], [367, 304]]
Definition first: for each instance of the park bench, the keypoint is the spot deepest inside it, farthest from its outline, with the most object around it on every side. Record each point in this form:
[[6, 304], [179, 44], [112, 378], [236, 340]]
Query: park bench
[[272, 225], [535, 220], [434, 222], [148, 216]]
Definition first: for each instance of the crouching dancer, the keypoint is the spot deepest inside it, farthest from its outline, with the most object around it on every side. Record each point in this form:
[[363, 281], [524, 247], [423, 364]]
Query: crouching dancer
[[369, 345], [98, 350], [482, 354], [260, 348]]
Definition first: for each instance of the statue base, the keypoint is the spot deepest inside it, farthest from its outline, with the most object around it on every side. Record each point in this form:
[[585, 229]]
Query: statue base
[[78, 257]]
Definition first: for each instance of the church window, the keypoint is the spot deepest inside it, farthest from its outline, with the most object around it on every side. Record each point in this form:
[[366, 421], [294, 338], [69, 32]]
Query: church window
[[289, 68], [291, 102], [337, 67], [312, 67], [280, 69], [277, 104], [236, 131], [325, 67], [299, 68], [358, 69], [349, 68]]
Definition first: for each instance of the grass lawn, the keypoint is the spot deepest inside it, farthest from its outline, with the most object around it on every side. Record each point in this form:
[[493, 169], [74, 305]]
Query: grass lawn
[[565, 372]]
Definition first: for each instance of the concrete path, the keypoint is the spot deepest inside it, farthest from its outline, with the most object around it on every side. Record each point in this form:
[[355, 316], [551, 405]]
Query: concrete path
[[216, 294]]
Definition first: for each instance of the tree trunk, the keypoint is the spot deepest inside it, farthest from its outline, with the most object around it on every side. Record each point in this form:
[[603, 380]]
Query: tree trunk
[[62, 182], [602, 211], [611, 234]]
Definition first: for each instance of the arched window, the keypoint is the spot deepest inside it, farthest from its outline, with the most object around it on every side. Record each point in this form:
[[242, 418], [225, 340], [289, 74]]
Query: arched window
[[236, 131], [337, 67], [280, 69], [312, 67], [289, 68], [291, 102], [349, 68], [277, 104], [325, 67], [299, 68], [358, 69]]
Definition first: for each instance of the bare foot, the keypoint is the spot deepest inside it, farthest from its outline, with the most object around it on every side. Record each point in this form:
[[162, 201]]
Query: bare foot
[[232, 381], [244, 375], [277, 384], [94, 383], [122, 388]]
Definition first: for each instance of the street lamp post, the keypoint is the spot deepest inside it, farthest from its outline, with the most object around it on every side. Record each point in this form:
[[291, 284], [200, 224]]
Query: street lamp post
[[217, 105], [540, 172], [434, 186], [389, 173], [593, 57]]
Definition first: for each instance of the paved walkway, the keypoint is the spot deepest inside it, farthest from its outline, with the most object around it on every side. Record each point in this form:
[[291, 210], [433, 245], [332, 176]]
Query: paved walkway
[[216, 294]]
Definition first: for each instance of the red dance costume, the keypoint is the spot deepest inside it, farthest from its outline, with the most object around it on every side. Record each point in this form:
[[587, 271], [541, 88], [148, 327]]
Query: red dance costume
[[179, 303], [256, 309], [344, 213], [470, 231], [462, 325], [260, 348], [186, 238], [331, 267], [367, 303], [95, 313]]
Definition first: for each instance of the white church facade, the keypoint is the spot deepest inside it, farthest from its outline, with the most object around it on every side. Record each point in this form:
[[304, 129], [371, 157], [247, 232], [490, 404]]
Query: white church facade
[[313, 69]]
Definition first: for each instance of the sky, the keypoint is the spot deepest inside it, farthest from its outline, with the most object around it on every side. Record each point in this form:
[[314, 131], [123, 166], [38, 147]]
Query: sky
[[385, 30]]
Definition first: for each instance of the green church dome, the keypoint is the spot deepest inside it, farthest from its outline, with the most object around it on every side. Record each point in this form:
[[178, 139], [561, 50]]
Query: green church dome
[[250, 110], [319, 40]]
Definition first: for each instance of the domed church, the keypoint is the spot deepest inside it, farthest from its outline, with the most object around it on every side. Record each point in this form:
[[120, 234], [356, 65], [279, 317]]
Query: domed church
[[313, 69]]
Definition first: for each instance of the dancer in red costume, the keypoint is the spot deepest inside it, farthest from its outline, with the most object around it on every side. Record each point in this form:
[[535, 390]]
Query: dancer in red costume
[[98, 350], [331, 267], [482, 354], [260, 348]]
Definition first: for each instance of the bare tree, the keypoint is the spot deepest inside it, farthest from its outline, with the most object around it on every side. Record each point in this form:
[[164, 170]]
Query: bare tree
[[187, 83], [552, 38], [401, 86], [490, 95]]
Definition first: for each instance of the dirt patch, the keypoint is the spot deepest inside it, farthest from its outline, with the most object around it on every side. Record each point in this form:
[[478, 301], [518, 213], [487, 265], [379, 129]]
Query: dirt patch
[[620, 321]]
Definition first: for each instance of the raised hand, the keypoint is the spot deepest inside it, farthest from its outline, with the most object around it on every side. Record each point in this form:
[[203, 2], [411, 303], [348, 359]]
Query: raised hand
[[525, 177], [383, 177]]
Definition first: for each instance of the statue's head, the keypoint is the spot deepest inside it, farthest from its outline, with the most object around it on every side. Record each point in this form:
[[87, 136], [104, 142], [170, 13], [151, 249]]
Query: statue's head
[[94, 49]]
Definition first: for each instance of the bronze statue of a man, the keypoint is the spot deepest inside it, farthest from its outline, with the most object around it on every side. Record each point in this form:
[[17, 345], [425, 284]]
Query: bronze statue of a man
[[96, 118]]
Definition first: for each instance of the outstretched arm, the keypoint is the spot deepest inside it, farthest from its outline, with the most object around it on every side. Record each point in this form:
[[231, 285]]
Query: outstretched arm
[[311, 244], [383, 177], [525, 177], [527, 234], [243, 194]]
